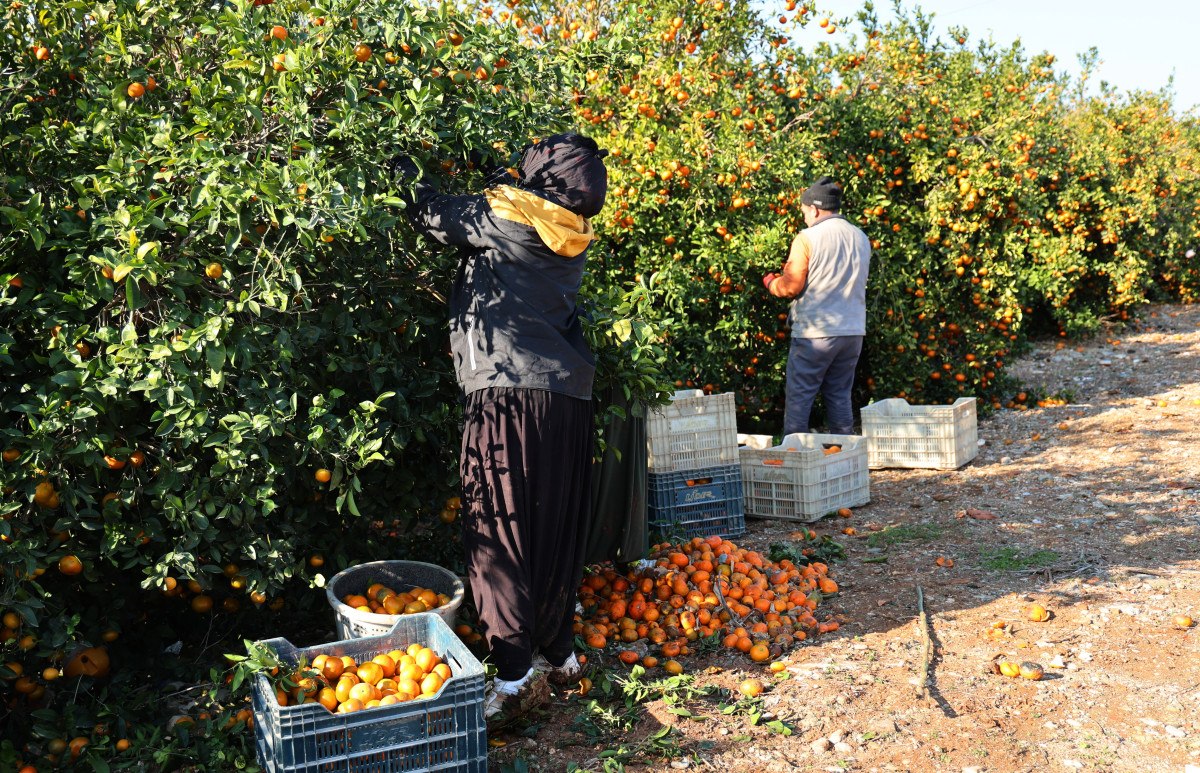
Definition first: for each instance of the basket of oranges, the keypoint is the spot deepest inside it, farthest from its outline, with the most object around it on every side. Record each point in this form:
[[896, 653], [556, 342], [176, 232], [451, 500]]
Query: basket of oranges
[[368, 599]]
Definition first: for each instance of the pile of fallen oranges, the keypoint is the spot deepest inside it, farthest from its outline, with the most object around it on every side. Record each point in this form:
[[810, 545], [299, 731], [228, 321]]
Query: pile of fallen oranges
[[707, 587], [344, 686], [382, 600]]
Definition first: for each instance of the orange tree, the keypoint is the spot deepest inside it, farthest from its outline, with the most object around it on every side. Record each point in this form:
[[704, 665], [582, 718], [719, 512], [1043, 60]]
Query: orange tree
[[1001, 200], [709, 149], [223, 367]]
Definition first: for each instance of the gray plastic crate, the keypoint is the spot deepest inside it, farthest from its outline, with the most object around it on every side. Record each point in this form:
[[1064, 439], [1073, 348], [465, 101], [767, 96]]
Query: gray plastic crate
[[443, 733]]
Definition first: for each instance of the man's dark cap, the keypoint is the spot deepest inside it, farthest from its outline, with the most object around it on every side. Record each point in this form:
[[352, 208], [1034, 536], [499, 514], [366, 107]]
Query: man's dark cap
[[825, 194]]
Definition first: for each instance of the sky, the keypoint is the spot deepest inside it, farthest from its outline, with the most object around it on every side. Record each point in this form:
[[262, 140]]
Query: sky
[[1141, 43]]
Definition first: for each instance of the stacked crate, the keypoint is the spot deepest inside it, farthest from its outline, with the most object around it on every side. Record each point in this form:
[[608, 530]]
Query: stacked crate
[[695, 481]]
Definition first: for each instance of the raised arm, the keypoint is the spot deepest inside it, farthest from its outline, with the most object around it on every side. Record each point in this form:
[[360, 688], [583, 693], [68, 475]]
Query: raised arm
[[448, 219]]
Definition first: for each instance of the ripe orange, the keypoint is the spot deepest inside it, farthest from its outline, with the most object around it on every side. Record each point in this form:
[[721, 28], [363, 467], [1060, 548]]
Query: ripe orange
[[759, 652], [387, 664], [151, 84], [113, 463], [70, 565], [123, 745], [426, 659], [214, 270], [137, 458], [11, 454], [332, 669], [135, 90], [43, 492], [77, 746], [202, 604], [362, 52], [628, 657], [363, 692], [1038, 614], [1033, 671], [279, 33], [673, 667], [1009, 668], [431, 684], [370, 672], [1183, 621], [323, 475]]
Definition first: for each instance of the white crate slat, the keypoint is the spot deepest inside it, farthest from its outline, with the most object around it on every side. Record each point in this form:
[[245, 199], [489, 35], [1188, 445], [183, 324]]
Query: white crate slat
[[939, 437]]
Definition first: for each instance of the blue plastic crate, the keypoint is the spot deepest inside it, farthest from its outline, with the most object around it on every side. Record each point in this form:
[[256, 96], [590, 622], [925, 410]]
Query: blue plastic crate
[[693, 487], [442, 733], [711, 506]]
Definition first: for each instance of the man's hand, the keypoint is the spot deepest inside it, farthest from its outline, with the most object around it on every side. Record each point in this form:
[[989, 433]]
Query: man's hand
[[768, 279]]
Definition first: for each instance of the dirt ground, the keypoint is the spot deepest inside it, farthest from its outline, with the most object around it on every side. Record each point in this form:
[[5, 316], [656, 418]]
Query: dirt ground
[[1097, 513]]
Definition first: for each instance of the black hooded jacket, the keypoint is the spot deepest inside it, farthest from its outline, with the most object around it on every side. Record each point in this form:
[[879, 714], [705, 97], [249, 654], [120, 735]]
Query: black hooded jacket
[[514, 320]]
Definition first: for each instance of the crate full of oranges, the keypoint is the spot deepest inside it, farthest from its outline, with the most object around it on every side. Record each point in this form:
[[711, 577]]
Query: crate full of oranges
[[414, 694]]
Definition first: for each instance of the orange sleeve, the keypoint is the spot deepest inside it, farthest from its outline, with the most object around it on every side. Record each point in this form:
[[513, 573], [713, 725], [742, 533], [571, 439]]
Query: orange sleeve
[[795, 273]]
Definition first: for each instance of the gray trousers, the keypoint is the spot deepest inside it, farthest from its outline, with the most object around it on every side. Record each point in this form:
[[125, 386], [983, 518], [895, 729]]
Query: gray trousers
[[825, 366]]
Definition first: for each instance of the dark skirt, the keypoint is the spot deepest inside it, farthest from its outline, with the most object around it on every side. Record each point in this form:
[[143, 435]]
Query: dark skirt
[[526, 472]]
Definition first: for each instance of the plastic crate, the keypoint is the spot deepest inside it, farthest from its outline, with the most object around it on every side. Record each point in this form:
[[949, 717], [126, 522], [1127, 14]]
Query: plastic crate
[[397, 575], [443, 733], [677, 489], [939, 437], [694, 431], [798, 481], [714, 507]]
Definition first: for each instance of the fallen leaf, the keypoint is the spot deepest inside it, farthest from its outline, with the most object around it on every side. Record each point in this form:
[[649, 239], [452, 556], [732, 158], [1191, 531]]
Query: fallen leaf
[[979, 515]]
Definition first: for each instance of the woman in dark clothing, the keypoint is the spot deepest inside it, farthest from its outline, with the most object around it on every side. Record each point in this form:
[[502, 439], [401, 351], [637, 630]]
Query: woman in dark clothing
[[521, 358]]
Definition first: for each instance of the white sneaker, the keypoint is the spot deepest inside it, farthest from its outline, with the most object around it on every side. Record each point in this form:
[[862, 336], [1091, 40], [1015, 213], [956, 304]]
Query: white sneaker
[[504, 702], [500, 691], [566, 674]]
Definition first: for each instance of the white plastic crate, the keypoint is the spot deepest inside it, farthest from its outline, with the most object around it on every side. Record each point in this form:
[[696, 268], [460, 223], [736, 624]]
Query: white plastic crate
[[693, 431], [798, 481], [939, 437]]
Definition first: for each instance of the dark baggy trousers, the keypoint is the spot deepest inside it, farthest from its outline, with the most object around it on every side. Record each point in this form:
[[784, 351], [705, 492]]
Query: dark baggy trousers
[[824, 365], [526, 472]]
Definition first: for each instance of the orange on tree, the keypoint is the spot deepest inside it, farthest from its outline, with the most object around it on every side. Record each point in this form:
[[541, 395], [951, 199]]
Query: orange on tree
[[92, 661], [135, 90], [322, 475], [70, 565]]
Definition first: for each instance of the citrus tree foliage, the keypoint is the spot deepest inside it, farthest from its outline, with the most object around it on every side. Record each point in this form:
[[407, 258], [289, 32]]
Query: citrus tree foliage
[[210, 293], [1002, 198]]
